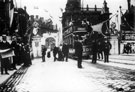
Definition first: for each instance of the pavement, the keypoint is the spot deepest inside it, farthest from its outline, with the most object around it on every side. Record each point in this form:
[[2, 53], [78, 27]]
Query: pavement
[[123, 59], [127, 61], [4, 77]]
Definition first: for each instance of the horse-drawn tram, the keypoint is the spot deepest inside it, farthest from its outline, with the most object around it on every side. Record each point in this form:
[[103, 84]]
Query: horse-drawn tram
[[81, 22]]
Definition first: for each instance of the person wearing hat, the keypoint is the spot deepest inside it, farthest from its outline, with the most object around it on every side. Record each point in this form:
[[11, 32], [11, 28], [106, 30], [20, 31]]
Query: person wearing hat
[[55, 52], [107, 46], [43, 52], [15, 47], [5, 65], [65, 50], [78, 51], [94, 51]]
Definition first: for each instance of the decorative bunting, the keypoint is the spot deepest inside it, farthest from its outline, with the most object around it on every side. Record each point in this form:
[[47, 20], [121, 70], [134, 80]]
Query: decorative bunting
[[11, 13]]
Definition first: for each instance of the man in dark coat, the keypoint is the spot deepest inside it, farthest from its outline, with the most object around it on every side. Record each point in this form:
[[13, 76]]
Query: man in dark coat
[[60, 54], [94, 51], [43, 53], [107, 46], [100, 50], [78, 52], [5, 65], [27, 61], [15, 47], [65, 50], [55, 52]]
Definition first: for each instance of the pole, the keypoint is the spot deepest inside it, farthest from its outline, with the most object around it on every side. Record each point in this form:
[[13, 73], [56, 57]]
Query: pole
[[120, 34]]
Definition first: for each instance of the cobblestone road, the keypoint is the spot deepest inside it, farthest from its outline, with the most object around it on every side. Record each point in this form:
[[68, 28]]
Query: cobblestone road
[[117, 78], [66, 77]]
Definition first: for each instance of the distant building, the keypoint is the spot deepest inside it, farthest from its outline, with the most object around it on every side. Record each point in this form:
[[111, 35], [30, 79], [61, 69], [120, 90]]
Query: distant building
[[128, 23], [127, 28]]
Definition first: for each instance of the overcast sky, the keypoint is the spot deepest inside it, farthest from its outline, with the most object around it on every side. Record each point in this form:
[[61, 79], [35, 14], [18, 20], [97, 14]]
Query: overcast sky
[[53, 6]]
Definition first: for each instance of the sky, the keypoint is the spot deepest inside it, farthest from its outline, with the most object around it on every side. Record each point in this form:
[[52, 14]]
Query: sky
[[47, 8]]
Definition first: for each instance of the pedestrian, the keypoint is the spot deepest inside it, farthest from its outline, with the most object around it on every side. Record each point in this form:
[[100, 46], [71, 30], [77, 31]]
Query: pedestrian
[[94, 51], [106, 49], [100, 50], [21, 54], [27, 61], [60, 54], [65, 50], [124, 49], [55, 52], [15, 47], [5, 65], [78, 51], [43, 53], [49, 52]]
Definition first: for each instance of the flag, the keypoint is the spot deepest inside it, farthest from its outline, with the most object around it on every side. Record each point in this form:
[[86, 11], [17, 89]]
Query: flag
[[117, 18], [97, 28], [11, 13]]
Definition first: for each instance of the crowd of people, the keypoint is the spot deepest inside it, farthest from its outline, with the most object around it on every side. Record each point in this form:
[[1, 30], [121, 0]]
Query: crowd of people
[[129, 48], [100, 50], [22, 52], [13, 53], [59, 53]]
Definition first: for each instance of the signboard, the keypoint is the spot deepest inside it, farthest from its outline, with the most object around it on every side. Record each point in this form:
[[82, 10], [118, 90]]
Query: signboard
[[128, 36]]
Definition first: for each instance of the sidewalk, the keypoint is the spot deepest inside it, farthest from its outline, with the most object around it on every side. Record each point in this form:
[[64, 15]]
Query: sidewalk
[[4, 77], [128, 59], [122, 61]]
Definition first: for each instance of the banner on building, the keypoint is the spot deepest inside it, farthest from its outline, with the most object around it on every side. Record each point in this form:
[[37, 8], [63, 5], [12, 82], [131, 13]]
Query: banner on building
[[97, 28], [11, 12]]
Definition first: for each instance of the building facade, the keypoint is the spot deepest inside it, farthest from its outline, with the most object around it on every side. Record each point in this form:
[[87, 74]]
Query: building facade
[[43, 33], [127, 28]]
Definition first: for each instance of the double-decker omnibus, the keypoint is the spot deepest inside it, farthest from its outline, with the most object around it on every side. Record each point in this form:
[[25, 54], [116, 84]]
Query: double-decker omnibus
[[69, 37]]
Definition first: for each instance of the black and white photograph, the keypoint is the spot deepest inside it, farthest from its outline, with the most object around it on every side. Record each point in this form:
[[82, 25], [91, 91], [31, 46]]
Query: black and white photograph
[[67, 45]]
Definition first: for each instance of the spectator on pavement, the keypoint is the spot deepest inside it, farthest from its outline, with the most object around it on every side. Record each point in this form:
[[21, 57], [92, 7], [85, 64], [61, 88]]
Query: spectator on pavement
[[94, 51], [100, 50], [5, 65], [107, 46], [15, 47], [27, 61]]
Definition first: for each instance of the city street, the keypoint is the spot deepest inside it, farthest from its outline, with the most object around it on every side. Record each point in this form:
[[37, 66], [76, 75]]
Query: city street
[[102, 32], [62, 76]]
